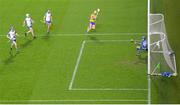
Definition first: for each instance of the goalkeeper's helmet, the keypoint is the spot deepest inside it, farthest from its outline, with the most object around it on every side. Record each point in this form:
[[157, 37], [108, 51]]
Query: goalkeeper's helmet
[[143, 38]]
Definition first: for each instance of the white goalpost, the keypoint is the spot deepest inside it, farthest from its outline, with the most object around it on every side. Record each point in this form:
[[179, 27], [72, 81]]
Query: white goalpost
[[161, 57]]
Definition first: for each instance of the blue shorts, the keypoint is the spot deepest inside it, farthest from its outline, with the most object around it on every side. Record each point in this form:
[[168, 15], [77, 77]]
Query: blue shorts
[[144, 48], [92, 23], [141, 48]]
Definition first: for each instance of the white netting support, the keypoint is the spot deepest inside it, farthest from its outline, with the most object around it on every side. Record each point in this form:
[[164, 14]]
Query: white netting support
[[162, 57]]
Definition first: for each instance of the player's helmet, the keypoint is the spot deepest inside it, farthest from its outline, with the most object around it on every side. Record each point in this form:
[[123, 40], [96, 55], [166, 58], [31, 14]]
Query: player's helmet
[[27, 15], [143, 38], [95, 12], [11, 28], [48, 11]]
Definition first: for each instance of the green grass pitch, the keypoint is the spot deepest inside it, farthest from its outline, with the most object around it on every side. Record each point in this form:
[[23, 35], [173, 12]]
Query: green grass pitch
[[69, 66]]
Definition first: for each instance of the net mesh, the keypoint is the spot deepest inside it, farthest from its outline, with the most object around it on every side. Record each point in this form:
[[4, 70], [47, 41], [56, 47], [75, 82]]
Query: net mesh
[[162, 57]]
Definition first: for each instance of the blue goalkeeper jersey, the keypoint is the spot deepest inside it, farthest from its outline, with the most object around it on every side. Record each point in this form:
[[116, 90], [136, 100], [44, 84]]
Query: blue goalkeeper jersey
[[144, 44]]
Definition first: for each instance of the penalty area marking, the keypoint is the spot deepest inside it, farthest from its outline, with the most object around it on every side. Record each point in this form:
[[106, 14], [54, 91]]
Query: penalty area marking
[[77, 64], [97, 89], [72, 81]]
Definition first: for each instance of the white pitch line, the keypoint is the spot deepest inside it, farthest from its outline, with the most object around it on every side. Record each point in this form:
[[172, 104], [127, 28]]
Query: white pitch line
[[111, 40], [149, 90], [105, 89], [110, 89], [148, 72], [81, 34], [100, 100], [100, 34], [77, 64]]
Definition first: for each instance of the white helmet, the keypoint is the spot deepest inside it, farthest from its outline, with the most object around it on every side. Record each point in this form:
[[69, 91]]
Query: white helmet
[[27, 15], [48, 11], [12, 28], [95, 12]]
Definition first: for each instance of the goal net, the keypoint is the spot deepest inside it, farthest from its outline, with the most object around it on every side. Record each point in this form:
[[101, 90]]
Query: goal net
[[161, 57]]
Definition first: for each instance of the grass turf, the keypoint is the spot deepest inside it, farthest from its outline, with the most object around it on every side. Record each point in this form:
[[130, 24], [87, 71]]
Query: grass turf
[[164, 90], [43, 69]]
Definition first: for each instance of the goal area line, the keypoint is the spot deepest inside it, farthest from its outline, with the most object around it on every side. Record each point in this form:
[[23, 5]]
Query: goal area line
[[96, 89], [109, 89]]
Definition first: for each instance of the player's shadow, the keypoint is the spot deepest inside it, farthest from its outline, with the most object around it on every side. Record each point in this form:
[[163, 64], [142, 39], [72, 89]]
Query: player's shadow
[[12, 55], [93, 38], [10, 58], [26, 43], [142, 59], [46, 36]]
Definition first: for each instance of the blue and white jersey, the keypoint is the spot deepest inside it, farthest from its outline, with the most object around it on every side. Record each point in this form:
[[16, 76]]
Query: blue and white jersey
[[12, 35], [144, 44], [28, 21], [48, 17]]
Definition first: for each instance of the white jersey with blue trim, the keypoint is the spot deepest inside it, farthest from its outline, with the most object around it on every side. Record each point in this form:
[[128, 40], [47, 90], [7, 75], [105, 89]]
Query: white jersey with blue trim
[[48, 16], [12, 35], [28, 21]]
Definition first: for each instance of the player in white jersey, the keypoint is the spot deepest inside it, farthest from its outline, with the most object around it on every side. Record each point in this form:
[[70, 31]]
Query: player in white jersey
[[28, 23], [12, 38], [48, 20]]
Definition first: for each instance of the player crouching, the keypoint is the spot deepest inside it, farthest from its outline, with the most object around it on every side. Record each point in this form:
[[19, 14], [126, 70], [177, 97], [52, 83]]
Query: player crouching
[[92, 21], [28, 23], [48, 20], [12, 38], [142, 46]]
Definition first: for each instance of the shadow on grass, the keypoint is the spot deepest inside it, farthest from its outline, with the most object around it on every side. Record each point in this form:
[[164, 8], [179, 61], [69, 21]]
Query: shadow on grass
[[10, 58], [143, 59], [12, 55], [46, 36], [93, 38], [26, 43]]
